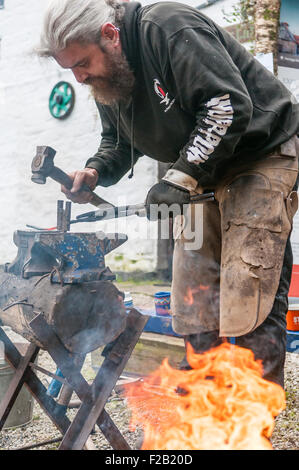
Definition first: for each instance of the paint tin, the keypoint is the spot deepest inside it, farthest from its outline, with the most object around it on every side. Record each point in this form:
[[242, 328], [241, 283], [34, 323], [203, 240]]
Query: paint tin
[[162, 303], [128, 301]]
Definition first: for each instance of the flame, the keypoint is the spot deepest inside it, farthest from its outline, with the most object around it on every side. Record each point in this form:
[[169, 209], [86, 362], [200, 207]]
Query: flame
[[223, 403], [188, 298], [201, 287]]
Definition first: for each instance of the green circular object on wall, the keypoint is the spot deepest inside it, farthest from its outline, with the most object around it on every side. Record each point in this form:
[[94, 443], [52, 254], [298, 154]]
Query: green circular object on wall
[[62, 100]]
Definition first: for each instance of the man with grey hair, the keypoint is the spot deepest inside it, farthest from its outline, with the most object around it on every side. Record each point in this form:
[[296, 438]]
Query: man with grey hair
[[171, 84]]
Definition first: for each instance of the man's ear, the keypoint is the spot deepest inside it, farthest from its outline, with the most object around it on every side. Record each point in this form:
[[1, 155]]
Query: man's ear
[[109, 32]]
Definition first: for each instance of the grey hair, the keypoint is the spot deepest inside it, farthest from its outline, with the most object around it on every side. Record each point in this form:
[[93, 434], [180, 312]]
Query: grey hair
[[66, 21]]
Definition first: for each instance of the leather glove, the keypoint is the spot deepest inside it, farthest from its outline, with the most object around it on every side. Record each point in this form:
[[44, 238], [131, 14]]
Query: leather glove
[[176, 189]]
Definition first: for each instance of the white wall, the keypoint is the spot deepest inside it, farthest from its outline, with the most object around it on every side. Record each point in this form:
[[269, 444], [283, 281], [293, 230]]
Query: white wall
[[214, 11], [25, 122]]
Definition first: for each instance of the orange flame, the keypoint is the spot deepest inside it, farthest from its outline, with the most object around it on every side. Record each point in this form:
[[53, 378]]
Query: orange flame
[[202, 287], [223, 403], [188, 298]]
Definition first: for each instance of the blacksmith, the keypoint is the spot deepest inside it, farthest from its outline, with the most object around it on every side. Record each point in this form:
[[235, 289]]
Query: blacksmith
[[172, 85]]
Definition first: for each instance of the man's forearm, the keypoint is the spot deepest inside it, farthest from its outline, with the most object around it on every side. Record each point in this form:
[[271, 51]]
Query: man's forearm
[[111, 164]]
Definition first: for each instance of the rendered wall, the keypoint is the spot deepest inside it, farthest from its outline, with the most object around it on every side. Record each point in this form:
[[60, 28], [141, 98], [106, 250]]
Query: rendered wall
[[25, 122]]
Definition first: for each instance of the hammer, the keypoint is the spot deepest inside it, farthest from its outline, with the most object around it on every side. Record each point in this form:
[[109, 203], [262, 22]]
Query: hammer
[[43, 166]]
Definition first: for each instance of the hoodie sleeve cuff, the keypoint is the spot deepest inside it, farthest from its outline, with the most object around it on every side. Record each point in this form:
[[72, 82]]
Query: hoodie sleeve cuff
[[181, 179], [96, 164], [197, 172], [101, 168]]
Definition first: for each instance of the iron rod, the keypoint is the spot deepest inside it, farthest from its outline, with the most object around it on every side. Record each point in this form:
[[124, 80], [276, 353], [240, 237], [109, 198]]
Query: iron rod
[[39, 444], [47, 372]]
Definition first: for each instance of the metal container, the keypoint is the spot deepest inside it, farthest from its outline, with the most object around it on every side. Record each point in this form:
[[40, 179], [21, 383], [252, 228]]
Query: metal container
[[128, 301], [22, 411]]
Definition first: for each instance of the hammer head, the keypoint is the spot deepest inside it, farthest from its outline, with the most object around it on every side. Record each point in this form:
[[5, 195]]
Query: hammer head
[[42, 164]]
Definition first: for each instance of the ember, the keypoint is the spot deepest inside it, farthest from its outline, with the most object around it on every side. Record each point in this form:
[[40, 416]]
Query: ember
[[223, 403]]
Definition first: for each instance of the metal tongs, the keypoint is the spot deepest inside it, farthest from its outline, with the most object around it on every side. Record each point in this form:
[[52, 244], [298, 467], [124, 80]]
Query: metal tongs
[[107, 212]]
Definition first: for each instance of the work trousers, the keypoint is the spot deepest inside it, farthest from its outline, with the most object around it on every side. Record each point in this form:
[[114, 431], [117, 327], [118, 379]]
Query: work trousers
[[236, 282]]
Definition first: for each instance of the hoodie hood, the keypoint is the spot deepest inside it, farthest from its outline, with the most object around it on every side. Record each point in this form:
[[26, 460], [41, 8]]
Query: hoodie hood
[[129, 34], [129, 41]]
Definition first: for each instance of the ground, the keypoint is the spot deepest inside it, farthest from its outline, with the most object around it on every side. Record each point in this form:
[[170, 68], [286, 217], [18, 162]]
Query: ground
[[284, 437]]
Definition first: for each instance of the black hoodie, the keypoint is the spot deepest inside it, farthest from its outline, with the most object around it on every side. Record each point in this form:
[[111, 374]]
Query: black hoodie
[[201, 101]]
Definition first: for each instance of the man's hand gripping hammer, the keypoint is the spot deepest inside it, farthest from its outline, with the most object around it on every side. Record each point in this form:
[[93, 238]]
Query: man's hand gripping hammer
[[43, 166]]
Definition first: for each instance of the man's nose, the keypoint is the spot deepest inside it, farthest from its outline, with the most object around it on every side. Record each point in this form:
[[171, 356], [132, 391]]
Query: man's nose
[[80, 76]]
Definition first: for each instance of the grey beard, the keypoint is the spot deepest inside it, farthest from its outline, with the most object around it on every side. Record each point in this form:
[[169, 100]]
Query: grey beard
[[117, 86]]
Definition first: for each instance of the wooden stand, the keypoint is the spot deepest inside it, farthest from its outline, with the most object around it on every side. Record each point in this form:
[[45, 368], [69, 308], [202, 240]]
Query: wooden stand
[[93, 397]]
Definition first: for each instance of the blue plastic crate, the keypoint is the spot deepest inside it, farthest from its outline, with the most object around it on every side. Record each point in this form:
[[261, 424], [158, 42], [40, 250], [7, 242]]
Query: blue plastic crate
[[293, 341], [160, 324]]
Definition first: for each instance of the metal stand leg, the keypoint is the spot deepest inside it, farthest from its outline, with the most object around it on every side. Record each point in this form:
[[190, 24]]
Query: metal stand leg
[[25, 375], [93, 397], [17, 383], [102, 386]]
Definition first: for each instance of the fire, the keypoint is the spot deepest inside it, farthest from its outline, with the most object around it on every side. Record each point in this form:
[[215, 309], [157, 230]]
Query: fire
[[223, 403], [188, 298]]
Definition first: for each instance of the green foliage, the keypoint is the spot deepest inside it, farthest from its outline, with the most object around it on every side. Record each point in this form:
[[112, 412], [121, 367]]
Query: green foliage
[[243, 13], [269, 15]]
